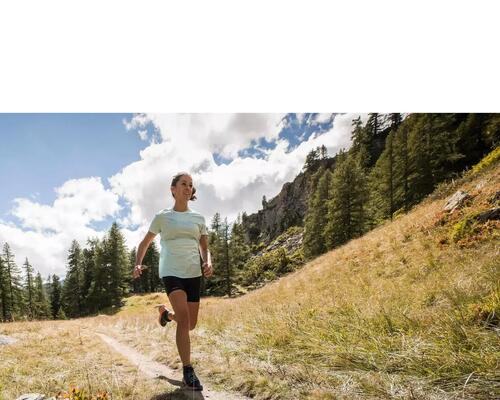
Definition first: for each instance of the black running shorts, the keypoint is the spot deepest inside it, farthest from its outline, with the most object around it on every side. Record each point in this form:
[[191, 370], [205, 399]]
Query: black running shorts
[[190, 285]]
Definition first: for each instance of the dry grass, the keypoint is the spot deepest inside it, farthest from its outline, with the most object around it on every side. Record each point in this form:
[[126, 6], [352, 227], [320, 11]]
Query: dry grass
[[401, 313], [51, 356]]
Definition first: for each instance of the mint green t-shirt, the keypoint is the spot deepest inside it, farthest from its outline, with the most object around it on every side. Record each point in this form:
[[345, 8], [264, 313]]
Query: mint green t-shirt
[[180, 234]]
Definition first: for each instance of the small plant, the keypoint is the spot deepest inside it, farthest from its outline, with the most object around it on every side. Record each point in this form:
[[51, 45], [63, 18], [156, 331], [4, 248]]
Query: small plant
[[487, 161], [488, 311], [76, 393]]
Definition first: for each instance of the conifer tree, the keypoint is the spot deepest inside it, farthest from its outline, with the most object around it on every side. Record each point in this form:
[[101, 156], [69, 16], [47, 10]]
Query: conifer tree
[[312, 158], [42, 308], [88, 269], [97, 298], [433, 152], [346, 209], [13, 283], [239, 251], [401, 168], [72, 289], [215, 285], [4, 302], [55, 297], [366, 157], [323, 152], [316, 216], [29, 289], [225, 260], [117, 265], [150, 279], [382, 184]]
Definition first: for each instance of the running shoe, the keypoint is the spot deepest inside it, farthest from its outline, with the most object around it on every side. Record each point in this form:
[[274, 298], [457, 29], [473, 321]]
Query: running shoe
[[190, 379], [163, 317]]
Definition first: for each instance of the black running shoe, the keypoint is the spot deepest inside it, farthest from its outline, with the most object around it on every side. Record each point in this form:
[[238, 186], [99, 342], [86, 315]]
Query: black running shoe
[[190, 379], [163, 318]]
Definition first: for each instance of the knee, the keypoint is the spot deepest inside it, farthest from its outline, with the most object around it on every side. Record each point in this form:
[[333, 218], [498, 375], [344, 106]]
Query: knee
[[183, 321]]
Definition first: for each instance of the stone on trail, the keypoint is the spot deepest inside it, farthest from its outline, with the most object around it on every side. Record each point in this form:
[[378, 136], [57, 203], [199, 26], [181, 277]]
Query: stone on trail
[[4, 340]]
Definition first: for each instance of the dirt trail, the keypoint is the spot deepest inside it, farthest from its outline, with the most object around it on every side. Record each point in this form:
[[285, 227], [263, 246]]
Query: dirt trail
[[156, 370]]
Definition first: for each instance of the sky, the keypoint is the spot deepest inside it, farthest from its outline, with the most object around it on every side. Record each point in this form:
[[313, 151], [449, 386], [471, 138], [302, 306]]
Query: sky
[[67, 177]]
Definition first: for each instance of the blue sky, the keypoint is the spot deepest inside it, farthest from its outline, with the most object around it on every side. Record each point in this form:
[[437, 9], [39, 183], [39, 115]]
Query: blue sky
[[69, 176], [41, 151]]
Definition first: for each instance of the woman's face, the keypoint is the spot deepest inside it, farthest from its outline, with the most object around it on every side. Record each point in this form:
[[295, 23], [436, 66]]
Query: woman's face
[[183, 189]]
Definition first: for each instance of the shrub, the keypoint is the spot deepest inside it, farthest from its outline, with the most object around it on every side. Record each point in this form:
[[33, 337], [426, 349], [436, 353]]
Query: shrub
[[488, 160], [80, 394]]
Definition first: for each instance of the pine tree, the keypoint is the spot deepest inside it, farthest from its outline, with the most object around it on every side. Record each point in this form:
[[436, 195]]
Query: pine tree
[[316, 216], [346, 209], [382, 183], [117, 265], [72, 289], [491, 132], [312, 158], [55, 297], [225, 260], [29, 289], [433, 155], [42, 307], [13, 283], [401, 168], [323, 152], [215, 285], [365, 138], [239, 251], [4, 302], [150, 279], [88, 269], [97, 298]]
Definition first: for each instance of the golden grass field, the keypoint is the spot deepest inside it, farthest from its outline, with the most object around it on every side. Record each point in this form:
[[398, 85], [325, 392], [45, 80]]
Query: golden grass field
[[409, 311]]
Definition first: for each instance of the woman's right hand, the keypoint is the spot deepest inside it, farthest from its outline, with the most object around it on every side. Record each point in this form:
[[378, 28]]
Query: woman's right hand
[[138, 270]]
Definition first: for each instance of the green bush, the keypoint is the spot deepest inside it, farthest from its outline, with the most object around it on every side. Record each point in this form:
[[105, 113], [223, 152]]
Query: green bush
[[267, 267], [488, 160]]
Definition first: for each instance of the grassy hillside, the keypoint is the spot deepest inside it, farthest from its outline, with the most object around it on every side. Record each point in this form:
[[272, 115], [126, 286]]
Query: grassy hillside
[[409, 311]]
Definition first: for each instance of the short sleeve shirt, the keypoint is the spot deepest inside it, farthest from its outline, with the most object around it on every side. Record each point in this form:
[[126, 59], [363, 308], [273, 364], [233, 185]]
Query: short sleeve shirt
[[180, 234]]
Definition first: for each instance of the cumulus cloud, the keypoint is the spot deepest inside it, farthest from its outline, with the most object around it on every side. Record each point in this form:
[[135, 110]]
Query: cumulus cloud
[[224, 134], [226, 188], [180, 142], [45, 231]]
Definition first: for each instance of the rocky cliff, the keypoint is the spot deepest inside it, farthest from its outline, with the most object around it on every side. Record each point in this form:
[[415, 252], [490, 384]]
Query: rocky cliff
[[287, 209]]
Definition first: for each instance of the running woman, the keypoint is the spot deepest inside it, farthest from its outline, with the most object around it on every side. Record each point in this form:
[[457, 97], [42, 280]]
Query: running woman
[[183, 238]]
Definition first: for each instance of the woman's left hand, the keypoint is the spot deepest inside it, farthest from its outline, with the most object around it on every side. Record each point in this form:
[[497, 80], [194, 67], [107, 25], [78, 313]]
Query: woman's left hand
[[207, 270]]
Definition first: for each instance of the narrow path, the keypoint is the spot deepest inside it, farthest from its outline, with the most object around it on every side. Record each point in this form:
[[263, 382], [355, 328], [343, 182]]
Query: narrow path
[[156, 370]]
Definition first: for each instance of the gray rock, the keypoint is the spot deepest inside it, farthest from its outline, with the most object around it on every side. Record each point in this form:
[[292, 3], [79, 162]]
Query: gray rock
[[456, 201], [4, 340], [491, 214], [31, 396]]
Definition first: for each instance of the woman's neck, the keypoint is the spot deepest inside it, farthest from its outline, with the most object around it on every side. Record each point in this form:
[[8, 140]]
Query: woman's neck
[[180, 206]]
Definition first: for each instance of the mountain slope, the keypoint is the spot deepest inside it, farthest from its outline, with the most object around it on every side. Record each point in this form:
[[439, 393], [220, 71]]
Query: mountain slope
[[410, 310]]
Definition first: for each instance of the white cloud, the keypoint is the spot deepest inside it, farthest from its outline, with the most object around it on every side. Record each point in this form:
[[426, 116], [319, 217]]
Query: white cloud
[[186, 142], [46, 231], [227, 188], [322, 118], [224, 134], [143, 134]]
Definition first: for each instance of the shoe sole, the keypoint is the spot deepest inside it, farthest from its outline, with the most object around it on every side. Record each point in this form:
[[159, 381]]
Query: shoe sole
[[195, 389], [162, 319]]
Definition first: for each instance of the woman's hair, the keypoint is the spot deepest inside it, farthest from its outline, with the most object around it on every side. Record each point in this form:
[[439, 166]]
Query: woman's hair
[[176, 179]]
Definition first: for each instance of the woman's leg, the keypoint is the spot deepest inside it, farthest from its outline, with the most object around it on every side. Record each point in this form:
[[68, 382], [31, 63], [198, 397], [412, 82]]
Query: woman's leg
[[193, 308], [178, 299]]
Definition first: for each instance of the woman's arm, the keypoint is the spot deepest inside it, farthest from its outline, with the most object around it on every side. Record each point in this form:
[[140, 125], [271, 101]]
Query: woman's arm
[[141, 251], [205, 256]]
